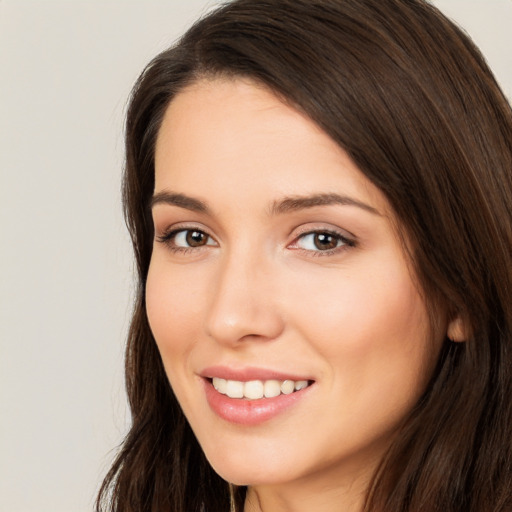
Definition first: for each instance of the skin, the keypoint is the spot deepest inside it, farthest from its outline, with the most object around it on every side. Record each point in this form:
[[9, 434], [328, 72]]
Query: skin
[[257, 291]]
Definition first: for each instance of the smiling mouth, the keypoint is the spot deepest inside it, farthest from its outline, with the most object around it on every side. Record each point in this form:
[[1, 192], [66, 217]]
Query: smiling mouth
[[257, 389]]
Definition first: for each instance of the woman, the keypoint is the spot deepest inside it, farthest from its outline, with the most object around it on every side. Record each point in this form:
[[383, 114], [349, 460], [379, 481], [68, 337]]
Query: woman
[[319, 195]]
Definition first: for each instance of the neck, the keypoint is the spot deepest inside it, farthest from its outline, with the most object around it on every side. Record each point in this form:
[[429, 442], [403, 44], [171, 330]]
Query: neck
[[315, 494]]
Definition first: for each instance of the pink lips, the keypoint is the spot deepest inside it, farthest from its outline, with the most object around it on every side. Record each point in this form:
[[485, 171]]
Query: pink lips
[[249, 412]]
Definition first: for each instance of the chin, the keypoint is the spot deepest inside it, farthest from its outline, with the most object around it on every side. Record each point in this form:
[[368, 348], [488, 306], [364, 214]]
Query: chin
[[244, 476], [241, 467]]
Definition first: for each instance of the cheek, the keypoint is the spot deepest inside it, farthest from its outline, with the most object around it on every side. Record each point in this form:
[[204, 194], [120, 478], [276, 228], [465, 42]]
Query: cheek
[[173, 304], [373, 333], [371, 326]]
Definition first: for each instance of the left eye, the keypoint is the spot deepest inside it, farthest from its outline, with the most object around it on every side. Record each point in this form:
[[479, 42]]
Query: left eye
[[320, 241]]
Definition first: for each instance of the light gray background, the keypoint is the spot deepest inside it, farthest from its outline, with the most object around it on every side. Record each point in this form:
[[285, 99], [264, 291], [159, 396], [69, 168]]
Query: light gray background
[[66, 68]]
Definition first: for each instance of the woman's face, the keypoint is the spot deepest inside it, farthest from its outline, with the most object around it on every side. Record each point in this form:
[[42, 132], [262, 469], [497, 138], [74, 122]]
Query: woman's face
[[278, 277]]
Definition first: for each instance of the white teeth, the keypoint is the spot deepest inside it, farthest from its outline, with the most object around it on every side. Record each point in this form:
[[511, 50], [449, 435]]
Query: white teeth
[[256, 389], [301, 384], [219, 385], [287, 387], [253, 389], [272, 388], [235, 389]]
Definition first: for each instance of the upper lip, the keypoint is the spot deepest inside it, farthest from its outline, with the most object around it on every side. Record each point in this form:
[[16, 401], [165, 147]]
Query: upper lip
[[249, 373]]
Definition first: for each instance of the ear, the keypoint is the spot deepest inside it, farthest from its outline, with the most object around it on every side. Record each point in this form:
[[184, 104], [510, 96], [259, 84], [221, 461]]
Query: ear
[[458, 330]]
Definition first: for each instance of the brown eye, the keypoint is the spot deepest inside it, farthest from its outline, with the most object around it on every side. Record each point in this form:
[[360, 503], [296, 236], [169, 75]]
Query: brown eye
[[322, 241], [196, 238], [182, 239], [325, 241]]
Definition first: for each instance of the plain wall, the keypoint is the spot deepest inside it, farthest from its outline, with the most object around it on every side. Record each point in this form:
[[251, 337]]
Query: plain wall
[[65, 287]]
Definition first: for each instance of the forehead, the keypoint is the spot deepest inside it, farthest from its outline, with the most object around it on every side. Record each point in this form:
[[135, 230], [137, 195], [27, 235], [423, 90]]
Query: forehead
[[241, 134], [226, 113]]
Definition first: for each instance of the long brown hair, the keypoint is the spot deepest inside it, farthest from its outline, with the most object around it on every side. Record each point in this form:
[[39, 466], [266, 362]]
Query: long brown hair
[[412, 101]]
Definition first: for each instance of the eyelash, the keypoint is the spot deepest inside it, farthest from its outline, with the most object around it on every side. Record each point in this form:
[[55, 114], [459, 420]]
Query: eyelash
[[168, 237], [345, 242]]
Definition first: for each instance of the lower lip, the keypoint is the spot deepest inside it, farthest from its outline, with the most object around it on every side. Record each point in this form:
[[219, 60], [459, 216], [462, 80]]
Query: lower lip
[[250, 412]]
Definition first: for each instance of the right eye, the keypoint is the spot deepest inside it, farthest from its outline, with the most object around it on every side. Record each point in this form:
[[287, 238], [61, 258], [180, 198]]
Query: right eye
[[191, 238], [183, 239]]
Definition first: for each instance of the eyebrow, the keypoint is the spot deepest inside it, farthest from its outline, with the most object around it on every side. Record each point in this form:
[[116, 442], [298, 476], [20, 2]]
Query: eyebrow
[[294, 203], [181, 200], [288, 204]]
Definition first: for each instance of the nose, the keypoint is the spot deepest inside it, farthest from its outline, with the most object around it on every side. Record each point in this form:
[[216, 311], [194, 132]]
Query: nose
[[244, 303]]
